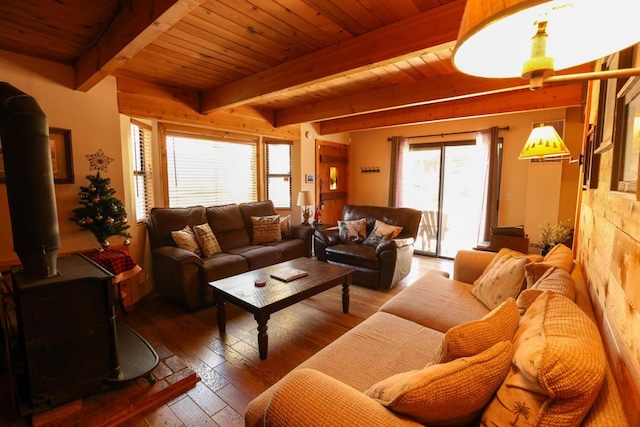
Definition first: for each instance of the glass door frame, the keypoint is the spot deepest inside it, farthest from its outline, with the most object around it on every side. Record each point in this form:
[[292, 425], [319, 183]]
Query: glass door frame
[[441, 146]]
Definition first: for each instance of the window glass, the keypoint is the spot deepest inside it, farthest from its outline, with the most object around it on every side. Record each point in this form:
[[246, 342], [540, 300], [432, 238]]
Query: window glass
[[142, 171], [278, 166], [202, 170]]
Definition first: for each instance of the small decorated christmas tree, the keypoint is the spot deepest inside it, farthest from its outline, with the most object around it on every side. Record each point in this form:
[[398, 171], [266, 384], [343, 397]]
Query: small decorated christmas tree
[[100, 212]]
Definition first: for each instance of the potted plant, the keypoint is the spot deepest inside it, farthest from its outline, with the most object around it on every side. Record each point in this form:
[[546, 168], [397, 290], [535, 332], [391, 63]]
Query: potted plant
[[551, 235]]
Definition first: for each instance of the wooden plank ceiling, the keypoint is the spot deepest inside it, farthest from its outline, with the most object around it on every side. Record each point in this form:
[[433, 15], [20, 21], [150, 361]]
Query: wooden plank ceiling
[[344, 65]]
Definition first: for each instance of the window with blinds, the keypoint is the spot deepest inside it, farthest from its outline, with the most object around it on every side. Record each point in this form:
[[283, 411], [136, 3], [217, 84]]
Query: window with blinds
[[203, 170], [278, 171], [142, 171]]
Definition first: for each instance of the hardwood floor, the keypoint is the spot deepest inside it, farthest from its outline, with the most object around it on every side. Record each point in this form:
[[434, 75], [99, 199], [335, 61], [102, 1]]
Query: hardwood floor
[[229, 366]]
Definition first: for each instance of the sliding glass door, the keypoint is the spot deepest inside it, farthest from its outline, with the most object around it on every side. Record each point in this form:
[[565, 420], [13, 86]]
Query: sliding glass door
[[446, 182]]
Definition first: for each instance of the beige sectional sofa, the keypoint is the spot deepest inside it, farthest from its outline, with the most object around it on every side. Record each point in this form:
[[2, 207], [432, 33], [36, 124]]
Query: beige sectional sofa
[[435, 354]]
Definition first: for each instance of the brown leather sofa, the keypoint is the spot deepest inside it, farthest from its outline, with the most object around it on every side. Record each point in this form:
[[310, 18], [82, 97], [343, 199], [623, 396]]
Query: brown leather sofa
[[380, 267], [183, 276]]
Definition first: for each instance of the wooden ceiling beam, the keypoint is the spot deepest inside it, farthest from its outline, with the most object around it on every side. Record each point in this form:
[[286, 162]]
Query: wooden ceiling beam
[[411, 37], [436, 89], [139, 23], [499, 103]]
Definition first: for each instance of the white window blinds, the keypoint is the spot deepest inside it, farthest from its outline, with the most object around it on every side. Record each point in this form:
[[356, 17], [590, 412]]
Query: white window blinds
[[142, 171], [203, 170], [278, 165]]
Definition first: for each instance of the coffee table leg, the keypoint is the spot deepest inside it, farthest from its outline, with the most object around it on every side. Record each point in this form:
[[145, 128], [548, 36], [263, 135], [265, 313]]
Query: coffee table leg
[[222, 315], [345, 295], [263, 337]]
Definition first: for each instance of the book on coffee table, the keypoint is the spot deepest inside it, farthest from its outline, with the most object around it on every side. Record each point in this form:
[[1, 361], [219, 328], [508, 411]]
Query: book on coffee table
[[288, 274]]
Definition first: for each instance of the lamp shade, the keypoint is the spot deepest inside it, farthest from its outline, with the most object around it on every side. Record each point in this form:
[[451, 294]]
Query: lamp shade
[[544, 142], [304, 198], [495, 37]]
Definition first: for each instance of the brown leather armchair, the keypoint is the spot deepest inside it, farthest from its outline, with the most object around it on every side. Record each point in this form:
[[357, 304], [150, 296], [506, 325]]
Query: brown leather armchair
[[379, 267]]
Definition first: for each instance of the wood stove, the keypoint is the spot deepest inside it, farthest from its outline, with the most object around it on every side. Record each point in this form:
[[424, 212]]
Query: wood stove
[[67, 332]]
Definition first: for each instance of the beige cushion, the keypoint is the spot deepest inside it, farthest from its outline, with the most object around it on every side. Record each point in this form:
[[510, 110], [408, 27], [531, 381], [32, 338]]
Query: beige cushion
[[504, 280], [285, 227], [381, 231], [557, 369], [266, 229], [534, 271], [553, 279], [475, 336], [560, 256], [186, 239], [450, 393], [207, 240], [353, 231], [507, 252]]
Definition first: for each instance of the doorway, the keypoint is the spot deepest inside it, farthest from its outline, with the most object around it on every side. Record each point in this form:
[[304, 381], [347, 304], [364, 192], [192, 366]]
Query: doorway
[[332, 180], [446, 182]]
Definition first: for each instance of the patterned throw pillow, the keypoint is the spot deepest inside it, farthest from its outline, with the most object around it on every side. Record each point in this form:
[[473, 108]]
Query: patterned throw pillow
[[558, 367], [207, 240], [452, 393], [381, 231], [504, 280], [186, 239], [353, 231], [266, 229], [285, 227]]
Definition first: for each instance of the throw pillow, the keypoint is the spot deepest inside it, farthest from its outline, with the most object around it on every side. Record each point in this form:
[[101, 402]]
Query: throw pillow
[[207, 240], [553, 279], [353, 231], [558, 367], [534, 271], [507, 252], [453, 392], [285, 227], [266, 229], [381, 231], [186, 239], [560, 256], [503, 281], [473, 337]]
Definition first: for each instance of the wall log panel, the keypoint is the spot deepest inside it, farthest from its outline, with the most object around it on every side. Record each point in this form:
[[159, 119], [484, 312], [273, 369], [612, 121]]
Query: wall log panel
[[609, 250]]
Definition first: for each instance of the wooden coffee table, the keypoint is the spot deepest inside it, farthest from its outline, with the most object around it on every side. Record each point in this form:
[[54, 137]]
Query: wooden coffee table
[[276, 294]]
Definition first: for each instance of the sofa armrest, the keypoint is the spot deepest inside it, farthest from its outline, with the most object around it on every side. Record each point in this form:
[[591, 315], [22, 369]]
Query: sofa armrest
[[303, 232], [468, 265], [179, 255], [307, 397], [386, 245], [327, 237]]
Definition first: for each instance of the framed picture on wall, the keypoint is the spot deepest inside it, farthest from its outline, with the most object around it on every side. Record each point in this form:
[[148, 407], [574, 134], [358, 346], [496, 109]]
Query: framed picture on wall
[[61, 156], [308, 178]]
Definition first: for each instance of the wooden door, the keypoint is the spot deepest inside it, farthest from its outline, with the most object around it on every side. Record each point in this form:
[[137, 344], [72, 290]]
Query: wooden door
[[332, 179]]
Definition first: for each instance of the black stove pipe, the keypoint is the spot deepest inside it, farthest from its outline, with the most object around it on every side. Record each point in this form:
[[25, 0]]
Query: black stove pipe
[[24, 135]]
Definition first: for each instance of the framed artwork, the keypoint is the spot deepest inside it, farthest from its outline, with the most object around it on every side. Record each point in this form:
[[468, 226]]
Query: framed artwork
[[308, 178], [61, 156]]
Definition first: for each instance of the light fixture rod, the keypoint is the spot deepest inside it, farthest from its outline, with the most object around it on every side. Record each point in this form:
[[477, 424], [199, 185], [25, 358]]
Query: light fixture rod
[[595, 75]]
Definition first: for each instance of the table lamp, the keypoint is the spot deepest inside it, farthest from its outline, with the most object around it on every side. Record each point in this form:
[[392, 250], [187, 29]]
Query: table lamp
[[304, 201]]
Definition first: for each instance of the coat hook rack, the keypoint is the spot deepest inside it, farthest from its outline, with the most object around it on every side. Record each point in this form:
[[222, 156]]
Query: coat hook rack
[[370, 169]]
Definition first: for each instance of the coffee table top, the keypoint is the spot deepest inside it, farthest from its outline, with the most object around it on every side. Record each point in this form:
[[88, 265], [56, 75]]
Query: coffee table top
[[241, 289]]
